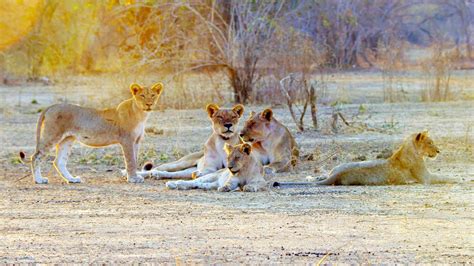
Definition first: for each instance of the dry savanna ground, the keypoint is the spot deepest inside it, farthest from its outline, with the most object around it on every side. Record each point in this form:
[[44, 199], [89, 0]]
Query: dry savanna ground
[[104, 219]]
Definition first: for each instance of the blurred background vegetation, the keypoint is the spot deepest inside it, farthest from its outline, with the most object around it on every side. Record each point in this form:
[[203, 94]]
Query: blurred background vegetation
[[241, 50]]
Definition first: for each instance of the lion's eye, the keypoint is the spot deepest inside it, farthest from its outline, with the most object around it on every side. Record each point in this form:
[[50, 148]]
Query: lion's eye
[[220, 118], [143, 96]]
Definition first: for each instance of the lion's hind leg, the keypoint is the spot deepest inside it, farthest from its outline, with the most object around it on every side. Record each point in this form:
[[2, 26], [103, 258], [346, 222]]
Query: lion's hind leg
[[62, 153], [183, 174], [44, 145], [188, 161], [36, 162], [208, 182]]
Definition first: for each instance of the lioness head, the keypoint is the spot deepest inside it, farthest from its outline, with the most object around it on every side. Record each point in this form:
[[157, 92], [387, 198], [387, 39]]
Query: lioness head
[[238, 156], [257, 127], [425, 145], [224, 121], [146, 98]]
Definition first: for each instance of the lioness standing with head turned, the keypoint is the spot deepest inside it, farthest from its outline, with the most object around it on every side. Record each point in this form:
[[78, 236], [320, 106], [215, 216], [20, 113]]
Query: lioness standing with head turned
[[61, 125]]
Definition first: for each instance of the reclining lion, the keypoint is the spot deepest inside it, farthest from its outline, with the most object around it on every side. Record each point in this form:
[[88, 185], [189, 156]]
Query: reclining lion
[[213, 158], [406, 165], [61, 125], [243, 170], [271, 141]]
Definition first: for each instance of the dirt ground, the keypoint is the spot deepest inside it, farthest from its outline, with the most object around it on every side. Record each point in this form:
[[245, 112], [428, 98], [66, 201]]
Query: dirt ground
[[106, 220]]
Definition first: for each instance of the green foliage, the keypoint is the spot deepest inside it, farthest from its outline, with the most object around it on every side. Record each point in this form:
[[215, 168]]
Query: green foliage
[[14, 159], [164, 157]]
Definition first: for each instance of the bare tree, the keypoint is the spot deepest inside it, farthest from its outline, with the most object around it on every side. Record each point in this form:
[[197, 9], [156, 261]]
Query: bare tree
[[287, 84], [237, 34]]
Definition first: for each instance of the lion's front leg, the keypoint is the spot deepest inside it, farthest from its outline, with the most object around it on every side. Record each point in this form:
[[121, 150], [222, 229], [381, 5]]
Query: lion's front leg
[[422, 175], [131, 162], [437, 179], [279, 163], [231, 183], [255, 186]]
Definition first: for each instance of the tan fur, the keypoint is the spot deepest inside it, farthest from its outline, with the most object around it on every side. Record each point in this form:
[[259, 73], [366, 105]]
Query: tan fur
[[61, 125], [271, 141], [406, 165], [244, 170], [213, 158]]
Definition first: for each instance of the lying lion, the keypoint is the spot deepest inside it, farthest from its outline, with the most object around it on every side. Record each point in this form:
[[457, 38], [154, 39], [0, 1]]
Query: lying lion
[[61, 125], [271, 141], [244, 170], [406, 165], [213, 158]]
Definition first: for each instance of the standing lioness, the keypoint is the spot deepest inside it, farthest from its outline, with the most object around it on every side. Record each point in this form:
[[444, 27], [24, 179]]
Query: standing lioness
[[61, 125]]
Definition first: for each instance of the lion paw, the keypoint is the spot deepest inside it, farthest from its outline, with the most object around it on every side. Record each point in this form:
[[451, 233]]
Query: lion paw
[[250, 189], [269, 170], [41, 180], [224, 189], [74, 180], [135, 179], [123, 172]]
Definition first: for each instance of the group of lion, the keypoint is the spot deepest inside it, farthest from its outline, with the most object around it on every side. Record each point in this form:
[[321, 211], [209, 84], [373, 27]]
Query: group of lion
[[230, 159]]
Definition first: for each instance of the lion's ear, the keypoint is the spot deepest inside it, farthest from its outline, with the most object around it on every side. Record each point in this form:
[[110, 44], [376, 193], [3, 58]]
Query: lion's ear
[[227, 148], [267, 114], [418, 137], [158, 88], [211, 109], [135, 88], [239, 109], [421, 136], [246, 148]]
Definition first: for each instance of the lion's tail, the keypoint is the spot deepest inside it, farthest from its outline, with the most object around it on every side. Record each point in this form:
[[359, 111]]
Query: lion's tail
[[23, 158], [322, 180], [186, 162], [39, 125]]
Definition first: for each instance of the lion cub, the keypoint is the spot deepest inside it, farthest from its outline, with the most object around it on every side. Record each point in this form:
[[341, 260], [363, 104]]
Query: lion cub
[[243, 170], [61, 125], [406, 165]]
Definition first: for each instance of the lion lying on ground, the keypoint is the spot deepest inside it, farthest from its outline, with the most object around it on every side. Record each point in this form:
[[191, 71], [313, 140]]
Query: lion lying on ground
[[243, 170], [213, 158], [406, 165], [271, 141], [61, 125]]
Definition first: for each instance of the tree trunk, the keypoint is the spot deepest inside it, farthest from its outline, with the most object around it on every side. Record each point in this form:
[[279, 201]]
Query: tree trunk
[[314, 109]]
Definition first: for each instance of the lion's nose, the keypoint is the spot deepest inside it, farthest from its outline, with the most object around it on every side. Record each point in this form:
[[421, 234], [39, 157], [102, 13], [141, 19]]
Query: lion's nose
[[228, 125]]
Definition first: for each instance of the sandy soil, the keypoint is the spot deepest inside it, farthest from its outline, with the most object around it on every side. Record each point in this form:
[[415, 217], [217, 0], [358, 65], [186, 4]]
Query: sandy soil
[[106, 220]]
